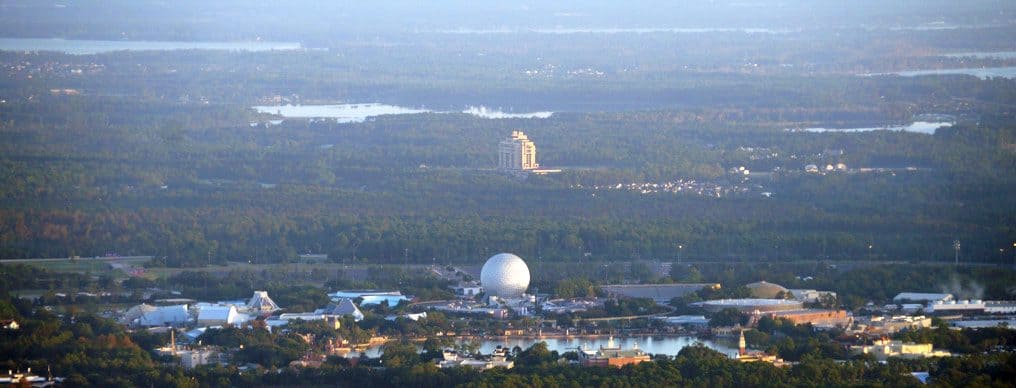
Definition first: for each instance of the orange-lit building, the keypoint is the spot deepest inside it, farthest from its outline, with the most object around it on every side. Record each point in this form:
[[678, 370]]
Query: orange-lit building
[[613, 356], [817, 317]]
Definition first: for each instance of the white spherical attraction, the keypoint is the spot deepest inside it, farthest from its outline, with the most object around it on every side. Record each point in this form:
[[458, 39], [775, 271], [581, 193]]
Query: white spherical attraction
[[505, 275]]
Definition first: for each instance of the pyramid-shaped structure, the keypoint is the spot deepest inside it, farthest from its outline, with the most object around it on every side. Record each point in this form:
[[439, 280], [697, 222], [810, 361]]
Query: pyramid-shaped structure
[[262, 303]]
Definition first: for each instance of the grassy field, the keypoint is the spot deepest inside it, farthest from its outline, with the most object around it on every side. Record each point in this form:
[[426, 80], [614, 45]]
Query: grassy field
[[99, 265]]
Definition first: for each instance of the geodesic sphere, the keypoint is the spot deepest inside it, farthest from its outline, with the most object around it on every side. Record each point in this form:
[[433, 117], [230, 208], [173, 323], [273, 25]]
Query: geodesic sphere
[[505, 275]]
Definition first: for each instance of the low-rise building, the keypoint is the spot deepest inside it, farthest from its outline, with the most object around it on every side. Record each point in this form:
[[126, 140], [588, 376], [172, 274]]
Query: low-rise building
[[191, 359], [370, 297], [574, 305], [342, 307], [812, 296], [882, 349], [815, 317], [19, 378], [749, 305], [499, 359], [468, 290], [217, 315], [955, 306], [9, 324], [1000, 307], [614, 356], [659, 293], [923, 297], [695, 321], [881, 326]]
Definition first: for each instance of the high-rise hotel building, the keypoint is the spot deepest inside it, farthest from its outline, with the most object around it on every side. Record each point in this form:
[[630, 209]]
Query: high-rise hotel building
[[516, 154]]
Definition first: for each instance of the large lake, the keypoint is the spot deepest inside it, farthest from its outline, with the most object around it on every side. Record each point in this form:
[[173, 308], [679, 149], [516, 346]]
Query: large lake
[[982, 73], [669, 345], [87, 47], [985, 54], [917, 127], [355, 113]]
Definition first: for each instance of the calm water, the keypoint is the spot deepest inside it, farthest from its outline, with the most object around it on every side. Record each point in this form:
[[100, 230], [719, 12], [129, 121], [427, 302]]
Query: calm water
[[609, 31], [87, 47], [343, 113], [985, 54], [484, 112], [917, 127], [982, 73], [669, 345], [356, 113]]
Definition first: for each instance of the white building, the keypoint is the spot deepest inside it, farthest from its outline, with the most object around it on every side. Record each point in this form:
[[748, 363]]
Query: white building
[[342, 307], [165, 315], [190, 359], [516, 153], [812, 296], [468, 290], [921, 297], [452, 359], [1000, 307], [215, 315], [955, 306], [370, 297], [412, 317], [147, 316], [894, 324]]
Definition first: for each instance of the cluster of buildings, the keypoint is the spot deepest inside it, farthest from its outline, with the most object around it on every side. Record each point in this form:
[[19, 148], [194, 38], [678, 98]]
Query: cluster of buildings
[[612, 355], [195, 318], [28, 379], [963, 313], [498, 359], [882, 349], [815, 169], [946, 304], [681, 186]]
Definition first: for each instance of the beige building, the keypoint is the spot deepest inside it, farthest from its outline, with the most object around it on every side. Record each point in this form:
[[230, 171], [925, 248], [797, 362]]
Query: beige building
[[517, 153]]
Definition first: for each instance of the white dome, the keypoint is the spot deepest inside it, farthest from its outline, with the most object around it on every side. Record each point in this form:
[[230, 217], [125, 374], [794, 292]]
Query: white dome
[[505, 275]]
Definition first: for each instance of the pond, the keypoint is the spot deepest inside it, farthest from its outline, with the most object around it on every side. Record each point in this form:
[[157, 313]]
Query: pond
[[659, 344], [916, 127], [979, 72], [357, 113]]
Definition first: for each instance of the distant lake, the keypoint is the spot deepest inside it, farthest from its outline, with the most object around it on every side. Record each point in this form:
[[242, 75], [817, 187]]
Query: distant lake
[[917, 127], [343, 113], [608, 30], [356, 113], [87, 47], [985, 54], [982, 73], [669, 345], [484, 112]]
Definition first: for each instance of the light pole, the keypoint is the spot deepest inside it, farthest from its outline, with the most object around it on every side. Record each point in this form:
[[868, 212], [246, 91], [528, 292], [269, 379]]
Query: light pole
[[956, 248], [680, 248]]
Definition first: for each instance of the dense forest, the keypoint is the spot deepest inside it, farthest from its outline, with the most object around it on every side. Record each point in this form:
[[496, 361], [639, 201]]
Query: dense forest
[[80, 180], [158, 152]]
